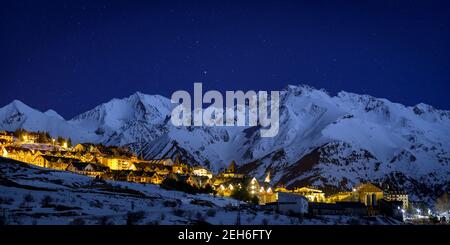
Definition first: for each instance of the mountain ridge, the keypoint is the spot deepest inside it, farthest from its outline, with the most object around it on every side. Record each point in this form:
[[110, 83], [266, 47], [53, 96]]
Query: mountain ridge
[[341, 130]]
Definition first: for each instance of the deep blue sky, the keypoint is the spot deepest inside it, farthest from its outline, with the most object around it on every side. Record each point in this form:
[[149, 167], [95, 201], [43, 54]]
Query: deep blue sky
[[74, 55]]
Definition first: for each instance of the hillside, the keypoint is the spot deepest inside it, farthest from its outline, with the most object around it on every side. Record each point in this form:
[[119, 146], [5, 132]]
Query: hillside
[[32, 195]]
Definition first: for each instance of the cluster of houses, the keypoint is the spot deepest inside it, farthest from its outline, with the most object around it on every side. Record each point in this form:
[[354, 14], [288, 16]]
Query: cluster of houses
[[105, 162], [226, 182], [366, 199], [116, 163]]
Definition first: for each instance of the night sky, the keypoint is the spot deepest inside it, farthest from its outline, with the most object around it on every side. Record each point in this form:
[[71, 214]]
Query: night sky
[[73, 55]]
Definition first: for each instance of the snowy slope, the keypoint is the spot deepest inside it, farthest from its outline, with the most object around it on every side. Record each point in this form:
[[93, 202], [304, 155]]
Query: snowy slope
[[52, 113]]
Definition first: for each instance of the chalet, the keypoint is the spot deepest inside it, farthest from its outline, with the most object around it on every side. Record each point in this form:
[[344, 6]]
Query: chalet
[[19, 154], [79, 148], [268, 178], [138, 176], [90, 169], [68, 154], [4, 152], [162, 170], [226, 188], [39, 160], [115, 158], [346, 196], [40, 152], [229, 176], [156, 179], [145, 177], [119, 175], [311, 193], [8, 151], [199, 181], [88, 157], [6, 137], [180, 168], [201, 171], [140, 166], [267, 195], [86, 147], [53, 162], [231, 172], [30, 137], [253, 187]]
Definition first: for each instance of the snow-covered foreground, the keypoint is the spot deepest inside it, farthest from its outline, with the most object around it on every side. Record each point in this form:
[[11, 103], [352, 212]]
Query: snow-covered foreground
[[32, 195]]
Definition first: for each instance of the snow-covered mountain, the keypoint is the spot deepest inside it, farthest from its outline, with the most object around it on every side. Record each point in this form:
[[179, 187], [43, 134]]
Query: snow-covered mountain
[[332, 141], [337, 141], [138, 118], [18, 115]]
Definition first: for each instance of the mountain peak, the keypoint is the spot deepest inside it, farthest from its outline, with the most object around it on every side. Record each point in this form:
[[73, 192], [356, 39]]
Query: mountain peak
[[19, 106], [53, 113], [304, 89], [148, 98], [18, 103], [137, 94], [300, 87]]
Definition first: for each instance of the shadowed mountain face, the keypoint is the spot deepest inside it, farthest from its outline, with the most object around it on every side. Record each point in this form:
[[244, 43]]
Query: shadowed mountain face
[[330, 141]]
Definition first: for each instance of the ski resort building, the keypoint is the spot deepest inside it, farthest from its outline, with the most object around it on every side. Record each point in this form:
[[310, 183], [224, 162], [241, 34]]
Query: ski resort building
[[6, 137], [292, 203], [311, 193], [201, 171], [396, 195], [369, 194]]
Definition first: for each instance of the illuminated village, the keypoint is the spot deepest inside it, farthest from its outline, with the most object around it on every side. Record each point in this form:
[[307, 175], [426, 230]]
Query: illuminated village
[[119, 164]]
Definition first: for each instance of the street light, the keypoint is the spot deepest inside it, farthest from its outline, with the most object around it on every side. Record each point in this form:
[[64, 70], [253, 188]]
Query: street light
[[403, 214]]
